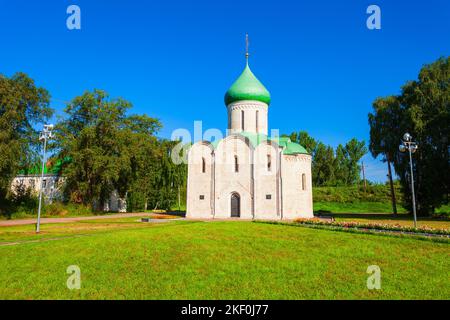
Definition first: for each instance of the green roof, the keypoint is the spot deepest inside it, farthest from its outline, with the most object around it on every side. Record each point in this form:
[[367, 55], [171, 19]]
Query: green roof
[[289, 146], [247, 87], [49, 168], [33, 170], [255, 139]]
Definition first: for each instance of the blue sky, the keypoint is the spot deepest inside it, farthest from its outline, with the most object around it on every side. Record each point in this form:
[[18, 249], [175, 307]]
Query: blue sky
[[175, 59]]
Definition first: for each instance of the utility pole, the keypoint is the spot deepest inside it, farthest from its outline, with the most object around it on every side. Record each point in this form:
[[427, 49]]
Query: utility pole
[[46, 134], [179, 199], [364, 176], [391, 183], [411, 147]]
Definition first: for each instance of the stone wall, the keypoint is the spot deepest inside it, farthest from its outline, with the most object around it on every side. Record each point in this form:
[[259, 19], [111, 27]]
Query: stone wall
[[199, 183], [275, 191], [255, 117], [297, 201], [228, 181], [267, 195]]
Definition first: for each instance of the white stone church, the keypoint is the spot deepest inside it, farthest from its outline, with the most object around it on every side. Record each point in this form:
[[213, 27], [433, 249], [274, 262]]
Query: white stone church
[[247, 174]]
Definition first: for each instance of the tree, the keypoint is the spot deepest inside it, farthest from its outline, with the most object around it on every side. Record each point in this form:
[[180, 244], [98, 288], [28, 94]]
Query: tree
[[171, 178], [354, 151], [323, 166], [308, 142], [104, 145], [330, 168], [423, 110], [23, 107], [341, 166], [146, 164]]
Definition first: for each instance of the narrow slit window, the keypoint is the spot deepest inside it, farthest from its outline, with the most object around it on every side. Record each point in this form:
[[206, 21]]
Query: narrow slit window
[[203, 165], [257, 122], [236, 164], [303, 181], [269, 163], [242, 120]]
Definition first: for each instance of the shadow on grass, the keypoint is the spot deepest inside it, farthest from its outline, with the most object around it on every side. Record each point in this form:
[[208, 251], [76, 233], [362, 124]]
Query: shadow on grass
[[176, 213]]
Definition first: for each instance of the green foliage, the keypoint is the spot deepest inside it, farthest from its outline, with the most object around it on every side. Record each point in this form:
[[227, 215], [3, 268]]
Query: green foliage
[[22, 202], [423, 110], [110, 150], [357, 207], [66, 209], [160, 181], [352, 194], [107, 148], [304, 139], [354, 150], [323, 166], [23, 106], [329, 167]]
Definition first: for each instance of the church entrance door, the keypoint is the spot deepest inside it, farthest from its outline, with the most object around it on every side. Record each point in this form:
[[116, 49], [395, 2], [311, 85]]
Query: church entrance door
[[235, 205]]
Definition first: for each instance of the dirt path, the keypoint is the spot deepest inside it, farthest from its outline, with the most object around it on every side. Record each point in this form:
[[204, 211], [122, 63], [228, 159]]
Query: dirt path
[[19, 222]]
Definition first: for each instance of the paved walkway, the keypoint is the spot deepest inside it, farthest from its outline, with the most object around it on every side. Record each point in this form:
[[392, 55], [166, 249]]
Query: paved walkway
[[19, 222]]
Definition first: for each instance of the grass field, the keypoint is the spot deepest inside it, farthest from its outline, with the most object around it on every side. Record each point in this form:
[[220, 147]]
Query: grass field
[[125, 259]]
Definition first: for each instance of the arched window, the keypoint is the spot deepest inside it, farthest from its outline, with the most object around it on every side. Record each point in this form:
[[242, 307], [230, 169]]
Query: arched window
[[236, 164], [303, 181], [269, 163], [257, 122], [242, 120], [203, 165]]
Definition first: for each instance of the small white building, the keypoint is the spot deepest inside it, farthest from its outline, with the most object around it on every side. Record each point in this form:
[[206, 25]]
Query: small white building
[[52, 187], [247, 174]]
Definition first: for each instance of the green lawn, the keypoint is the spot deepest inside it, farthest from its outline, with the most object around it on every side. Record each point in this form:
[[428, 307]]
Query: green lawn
[[124, 259]]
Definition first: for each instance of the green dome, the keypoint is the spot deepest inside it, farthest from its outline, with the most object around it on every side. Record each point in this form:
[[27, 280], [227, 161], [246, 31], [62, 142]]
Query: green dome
[[247, 87]]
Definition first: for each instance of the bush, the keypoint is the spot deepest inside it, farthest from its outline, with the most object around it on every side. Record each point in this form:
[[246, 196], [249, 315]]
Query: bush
[[62, 209], [373, 193], [21, 203], [55, 209]]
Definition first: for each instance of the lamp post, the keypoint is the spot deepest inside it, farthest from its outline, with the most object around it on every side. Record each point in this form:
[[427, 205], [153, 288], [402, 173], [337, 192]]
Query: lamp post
[[45, 135], [411, 147]]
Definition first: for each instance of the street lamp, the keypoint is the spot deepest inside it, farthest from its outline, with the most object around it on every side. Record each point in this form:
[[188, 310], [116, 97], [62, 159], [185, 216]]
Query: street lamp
[[411, 147], [45, 135]]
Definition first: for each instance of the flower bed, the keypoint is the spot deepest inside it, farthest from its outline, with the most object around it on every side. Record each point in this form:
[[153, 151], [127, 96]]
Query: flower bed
[[373, 226]]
